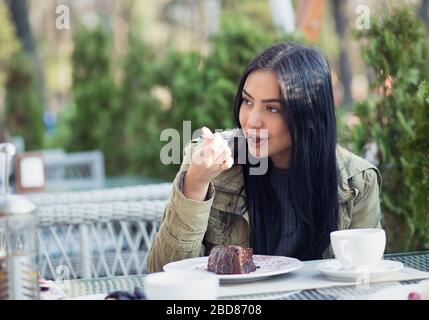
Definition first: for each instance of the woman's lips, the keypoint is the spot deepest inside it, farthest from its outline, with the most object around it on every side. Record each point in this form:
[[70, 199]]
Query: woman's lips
[[257, 142]]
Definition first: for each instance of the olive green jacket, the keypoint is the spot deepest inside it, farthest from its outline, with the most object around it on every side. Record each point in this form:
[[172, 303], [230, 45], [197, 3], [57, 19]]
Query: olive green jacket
[[191, 228]]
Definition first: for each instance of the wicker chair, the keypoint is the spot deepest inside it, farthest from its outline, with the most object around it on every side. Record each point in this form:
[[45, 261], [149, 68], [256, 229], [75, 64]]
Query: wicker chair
[[159, 191], [73, 171], [98, 233]]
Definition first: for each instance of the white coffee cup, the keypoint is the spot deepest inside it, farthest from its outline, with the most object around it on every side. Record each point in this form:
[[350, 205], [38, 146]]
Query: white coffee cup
[[356, 248], [181, 285]]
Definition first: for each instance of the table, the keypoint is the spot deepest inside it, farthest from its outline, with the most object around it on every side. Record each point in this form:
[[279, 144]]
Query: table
[[417, 260]]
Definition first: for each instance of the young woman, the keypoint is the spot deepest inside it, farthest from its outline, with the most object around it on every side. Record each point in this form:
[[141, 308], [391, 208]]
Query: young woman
[[285, 108]]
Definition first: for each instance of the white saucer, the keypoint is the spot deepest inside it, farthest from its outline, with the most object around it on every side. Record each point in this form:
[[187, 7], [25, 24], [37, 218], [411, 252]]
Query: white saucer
[[334, 270]]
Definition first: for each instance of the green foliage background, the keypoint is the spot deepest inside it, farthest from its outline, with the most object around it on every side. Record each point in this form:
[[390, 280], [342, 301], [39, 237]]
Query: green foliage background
[[9, 44], [96, 120], [393, 47], [416, 158], [23, 108]]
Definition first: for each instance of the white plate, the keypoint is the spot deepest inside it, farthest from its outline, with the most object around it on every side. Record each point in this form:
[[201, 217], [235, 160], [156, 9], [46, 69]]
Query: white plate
[[399, 292], [334, 270], [266, 266]]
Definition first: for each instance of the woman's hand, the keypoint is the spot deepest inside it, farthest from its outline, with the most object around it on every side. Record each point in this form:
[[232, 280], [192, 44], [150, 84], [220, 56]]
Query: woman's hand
[[209, 160]]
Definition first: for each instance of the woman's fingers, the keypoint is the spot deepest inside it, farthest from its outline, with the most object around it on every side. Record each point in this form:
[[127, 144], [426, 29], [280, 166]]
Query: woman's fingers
[[213, 156], [207, 134], [212, 149], [214, 152], [224, 154], [227, 164]]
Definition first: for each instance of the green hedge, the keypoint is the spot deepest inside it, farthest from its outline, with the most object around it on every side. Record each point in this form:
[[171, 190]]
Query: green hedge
[[393, 48], [416, 158], [24, 110], [95, 95]]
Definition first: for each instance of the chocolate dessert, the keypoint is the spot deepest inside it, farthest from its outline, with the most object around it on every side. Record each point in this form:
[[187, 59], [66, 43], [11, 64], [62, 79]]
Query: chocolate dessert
[[231, 260]]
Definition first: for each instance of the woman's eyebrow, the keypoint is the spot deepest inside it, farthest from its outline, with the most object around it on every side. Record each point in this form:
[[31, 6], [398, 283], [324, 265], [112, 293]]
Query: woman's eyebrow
[[264, 100], [247, 93], [271, 100]]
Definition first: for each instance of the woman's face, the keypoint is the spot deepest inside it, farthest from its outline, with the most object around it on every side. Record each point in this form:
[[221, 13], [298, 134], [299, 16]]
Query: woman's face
[[261, 119]]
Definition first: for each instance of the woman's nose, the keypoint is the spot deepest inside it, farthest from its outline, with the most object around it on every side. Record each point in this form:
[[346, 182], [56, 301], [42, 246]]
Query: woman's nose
[[254, 120]]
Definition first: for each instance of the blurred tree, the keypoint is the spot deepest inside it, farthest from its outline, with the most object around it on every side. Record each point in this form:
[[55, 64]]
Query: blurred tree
[[341, 22], [95, 95], [19, 13], [9, 43], [416, 147], [9, 46], [23, 107], [392, 47], [182, 75], [140, 126], [258, 12], [233, 47], [424, 12]]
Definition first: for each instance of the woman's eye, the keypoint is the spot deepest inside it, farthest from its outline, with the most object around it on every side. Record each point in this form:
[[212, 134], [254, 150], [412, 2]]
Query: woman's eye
[[272, 109], [246, 102]]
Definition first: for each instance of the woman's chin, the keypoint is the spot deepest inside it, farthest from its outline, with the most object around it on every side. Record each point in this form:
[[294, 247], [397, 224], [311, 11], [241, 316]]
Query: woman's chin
[[258, 149], [258, 153]]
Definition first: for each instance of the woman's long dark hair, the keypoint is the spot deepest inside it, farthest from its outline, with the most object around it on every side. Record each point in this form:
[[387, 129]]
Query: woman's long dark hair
[[308, 110]]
